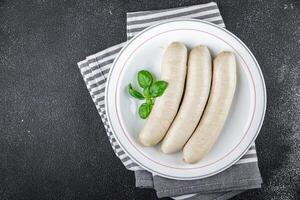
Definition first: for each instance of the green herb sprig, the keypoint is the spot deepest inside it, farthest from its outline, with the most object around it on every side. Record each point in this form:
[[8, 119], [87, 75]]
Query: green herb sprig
[[151, 90]]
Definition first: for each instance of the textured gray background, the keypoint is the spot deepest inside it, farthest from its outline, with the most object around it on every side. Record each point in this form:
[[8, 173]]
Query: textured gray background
[[52, 142]]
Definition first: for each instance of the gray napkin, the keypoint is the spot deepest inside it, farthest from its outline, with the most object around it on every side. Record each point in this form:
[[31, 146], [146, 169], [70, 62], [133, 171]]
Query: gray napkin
[[94, 69]]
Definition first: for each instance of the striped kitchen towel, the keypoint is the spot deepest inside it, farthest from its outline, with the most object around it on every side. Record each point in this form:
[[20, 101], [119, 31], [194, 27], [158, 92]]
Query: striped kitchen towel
[[94, 69]]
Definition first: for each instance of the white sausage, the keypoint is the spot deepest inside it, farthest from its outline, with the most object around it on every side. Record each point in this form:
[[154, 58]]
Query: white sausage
[[173, 70], [217, 109], [197, 88]]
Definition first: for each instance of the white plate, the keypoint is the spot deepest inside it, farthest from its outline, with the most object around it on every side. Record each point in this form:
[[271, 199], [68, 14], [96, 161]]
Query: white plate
[[145, 51]]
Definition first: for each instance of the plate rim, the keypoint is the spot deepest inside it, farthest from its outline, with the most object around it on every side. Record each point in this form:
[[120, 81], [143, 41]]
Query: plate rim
[[264, 103]]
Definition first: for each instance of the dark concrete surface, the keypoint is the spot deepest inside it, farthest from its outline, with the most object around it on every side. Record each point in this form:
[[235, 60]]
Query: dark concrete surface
[[52, 141]]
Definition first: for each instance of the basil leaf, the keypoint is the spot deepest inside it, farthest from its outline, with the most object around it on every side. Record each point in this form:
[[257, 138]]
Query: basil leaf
[[134, 93], [158, 88], [149, 101], [147, 92], [144, 78], [144, 110]]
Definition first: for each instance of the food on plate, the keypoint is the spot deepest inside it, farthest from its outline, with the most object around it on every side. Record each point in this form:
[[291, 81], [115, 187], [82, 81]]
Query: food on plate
[[194, 123], [151, 90], [134, 93], [217, 108], [196, 93], [173, 71]]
